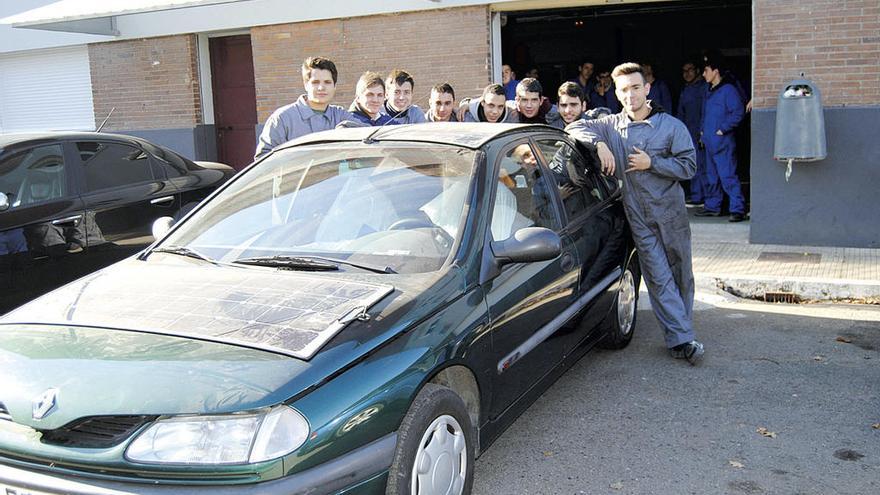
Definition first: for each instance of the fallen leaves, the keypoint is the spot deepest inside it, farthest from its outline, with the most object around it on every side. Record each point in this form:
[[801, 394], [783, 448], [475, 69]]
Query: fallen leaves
[[765, 432], [843, 339], [876, 426], [736, 464]]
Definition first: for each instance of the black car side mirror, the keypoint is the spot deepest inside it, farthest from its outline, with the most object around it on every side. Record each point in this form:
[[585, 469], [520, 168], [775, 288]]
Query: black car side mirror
[[4, 201], [526, 245]]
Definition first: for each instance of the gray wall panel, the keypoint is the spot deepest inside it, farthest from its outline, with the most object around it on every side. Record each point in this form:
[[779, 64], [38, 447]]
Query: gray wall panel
[[833, 202]]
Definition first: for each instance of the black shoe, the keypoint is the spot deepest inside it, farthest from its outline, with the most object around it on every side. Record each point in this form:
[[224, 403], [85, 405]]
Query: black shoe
[[694, 202], [692, 351], [707, 213], [736, 217]]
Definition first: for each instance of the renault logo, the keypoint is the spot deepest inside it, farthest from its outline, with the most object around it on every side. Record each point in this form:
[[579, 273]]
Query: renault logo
[[45, 403]]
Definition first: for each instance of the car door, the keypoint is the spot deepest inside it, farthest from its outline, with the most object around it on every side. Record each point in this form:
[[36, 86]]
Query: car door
[[40, 229], [526, 301], [594, 221], [123, 197]]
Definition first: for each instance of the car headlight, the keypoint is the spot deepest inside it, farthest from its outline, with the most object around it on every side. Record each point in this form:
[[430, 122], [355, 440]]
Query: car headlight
[[221, 439]]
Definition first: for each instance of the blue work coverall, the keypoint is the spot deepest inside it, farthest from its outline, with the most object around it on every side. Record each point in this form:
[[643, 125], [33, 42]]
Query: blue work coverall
[[722, 111], [412, 115], [608, 100], [654, 203], [690, 111], [660, 95], [295, 120]]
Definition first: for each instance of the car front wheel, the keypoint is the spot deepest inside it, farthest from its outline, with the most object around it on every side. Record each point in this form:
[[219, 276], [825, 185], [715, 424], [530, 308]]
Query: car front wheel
[[621, 322], [435, 446]]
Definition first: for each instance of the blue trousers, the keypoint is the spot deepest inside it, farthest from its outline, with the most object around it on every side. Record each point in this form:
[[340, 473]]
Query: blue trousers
[[721, 177]]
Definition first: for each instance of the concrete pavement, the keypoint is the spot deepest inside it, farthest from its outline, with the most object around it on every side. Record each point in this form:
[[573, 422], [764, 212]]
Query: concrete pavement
[[724, 259]]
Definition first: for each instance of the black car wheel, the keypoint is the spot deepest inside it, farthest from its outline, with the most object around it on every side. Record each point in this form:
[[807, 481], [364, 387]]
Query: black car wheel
[[435, 446], [621, 322]]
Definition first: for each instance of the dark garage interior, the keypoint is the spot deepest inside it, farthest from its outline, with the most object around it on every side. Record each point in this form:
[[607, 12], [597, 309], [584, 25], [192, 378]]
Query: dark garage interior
[[665, 34]]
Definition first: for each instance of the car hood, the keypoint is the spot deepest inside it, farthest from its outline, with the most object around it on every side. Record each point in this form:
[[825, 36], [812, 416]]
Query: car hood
[[104, 372], [175, 335]]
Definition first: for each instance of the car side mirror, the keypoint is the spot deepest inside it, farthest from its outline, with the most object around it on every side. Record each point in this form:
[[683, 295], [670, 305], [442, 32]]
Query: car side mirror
[[4, 201], [161, 227], [526, 245]]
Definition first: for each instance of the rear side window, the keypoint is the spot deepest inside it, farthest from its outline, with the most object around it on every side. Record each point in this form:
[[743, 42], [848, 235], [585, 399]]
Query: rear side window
[[33, 176], [110, 165]]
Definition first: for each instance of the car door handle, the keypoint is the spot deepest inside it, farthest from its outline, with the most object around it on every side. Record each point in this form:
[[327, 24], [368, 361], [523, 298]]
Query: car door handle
[[567, 262], [163, 199], [73, 220]]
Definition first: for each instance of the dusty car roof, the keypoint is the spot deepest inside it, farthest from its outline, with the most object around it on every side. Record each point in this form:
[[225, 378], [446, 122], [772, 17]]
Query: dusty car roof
[[8, 139], [469, 135]]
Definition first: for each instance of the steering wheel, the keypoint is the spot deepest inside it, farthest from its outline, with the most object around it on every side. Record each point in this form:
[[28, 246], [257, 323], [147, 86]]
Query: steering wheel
[[408, 223]]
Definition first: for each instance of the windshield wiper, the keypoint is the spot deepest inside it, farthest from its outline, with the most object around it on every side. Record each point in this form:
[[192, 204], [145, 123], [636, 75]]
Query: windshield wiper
[[184, 251], [309, 263]]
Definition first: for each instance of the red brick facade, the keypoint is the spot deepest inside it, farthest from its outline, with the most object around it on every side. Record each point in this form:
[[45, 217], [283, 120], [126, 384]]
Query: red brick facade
[[835, 43], [153, 83], [434, 46]]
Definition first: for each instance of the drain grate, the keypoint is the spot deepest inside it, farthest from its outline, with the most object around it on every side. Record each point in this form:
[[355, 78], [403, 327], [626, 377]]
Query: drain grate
[[781, 297]]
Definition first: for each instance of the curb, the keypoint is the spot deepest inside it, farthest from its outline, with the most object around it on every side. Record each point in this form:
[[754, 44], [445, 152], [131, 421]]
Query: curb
[[792, 289]]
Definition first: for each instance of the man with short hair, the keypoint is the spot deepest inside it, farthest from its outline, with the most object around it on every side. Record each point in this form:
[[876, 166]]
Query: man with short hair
[[311, 112], [399, 96], [722, 112], [531, 104], [584, 78], [509, 80], [660, 94], [369, 98], [658, 152], [690, 111], [441, 104], [490, 107], [570, 106], [602, 93]]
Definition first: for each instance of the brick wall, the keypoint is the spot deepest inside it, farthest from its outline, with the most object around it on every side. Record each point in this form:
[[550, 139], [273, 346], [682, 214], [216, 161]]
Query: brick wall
[[434, 46], [836, 43], [153, 83]]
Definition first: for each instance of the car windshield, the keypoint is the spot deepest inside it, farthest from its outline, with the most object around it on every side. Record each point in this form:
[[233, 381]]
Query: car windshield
[[399, 206]]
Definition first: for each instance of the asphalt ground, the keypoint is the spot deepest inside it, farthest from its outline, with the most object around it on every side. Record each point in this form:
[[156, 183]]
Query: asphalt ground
[[636, 421]]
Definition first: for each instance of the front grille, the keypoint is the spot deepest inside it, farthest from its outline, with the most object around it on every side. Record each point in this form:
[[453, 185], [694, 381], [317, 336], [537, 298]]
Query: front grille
[[95, 432], [4, 413]]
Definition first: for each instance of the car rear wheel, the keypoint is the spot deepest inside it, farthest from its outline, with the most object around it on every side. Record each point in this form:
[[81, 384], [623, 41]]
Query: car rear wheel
[[621, 322], [435, 446]]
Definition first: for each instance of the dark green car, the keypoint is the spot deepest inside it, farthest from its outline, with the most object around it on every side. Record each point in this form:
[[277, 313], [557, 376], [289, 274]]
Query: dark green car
[[361, 311]]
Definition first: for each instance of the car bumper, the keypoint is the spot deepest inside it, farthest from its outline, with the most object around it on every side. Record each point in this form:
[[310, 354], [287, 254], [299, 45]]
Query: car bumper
[[339, 474]]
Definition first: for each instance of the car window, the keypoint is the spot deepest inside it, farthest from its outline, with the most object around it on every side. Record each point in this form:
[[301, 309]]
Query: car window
[[393, 205], [34, 176], [579, 186], [165, 161], [109, 165], [524, 196]]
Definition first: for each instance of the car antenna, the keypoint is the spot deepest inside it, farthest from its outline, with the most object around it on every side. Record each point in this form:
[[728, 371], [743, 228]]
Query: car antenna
[[105, 120]]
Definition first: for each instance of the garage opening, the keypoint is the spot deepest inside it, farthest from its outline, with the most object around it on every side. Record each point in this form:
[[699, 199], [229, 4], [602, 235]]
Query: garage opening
[[665, 34]]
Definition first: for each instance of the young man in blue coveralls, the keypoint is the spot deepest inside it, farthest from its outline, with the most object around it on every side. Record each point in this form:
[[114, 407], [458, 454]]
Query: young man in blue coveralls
[[722, 112], [651, 151], [690, 111], [311, 112]]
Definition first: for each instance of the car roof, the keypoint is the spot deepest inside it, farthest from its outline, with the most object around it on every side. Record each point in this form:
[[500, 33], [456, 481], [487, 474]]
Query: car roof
[[11, 139], [465, 134]]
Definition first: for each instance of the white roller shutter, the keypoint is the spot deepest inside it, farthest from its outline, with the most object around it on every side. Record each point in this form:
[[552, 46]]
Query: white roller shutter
[[46, 90]]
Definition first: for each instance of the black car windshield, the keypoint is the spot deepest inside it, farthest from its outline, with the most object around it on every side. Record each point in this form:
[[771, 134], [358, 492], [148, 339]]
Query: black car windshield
[[381, 204]]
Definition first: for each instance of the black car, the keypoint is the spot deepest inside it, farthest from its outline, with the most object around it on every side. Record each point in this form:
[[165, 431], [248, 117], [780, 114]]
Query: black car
[[71, 203]]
